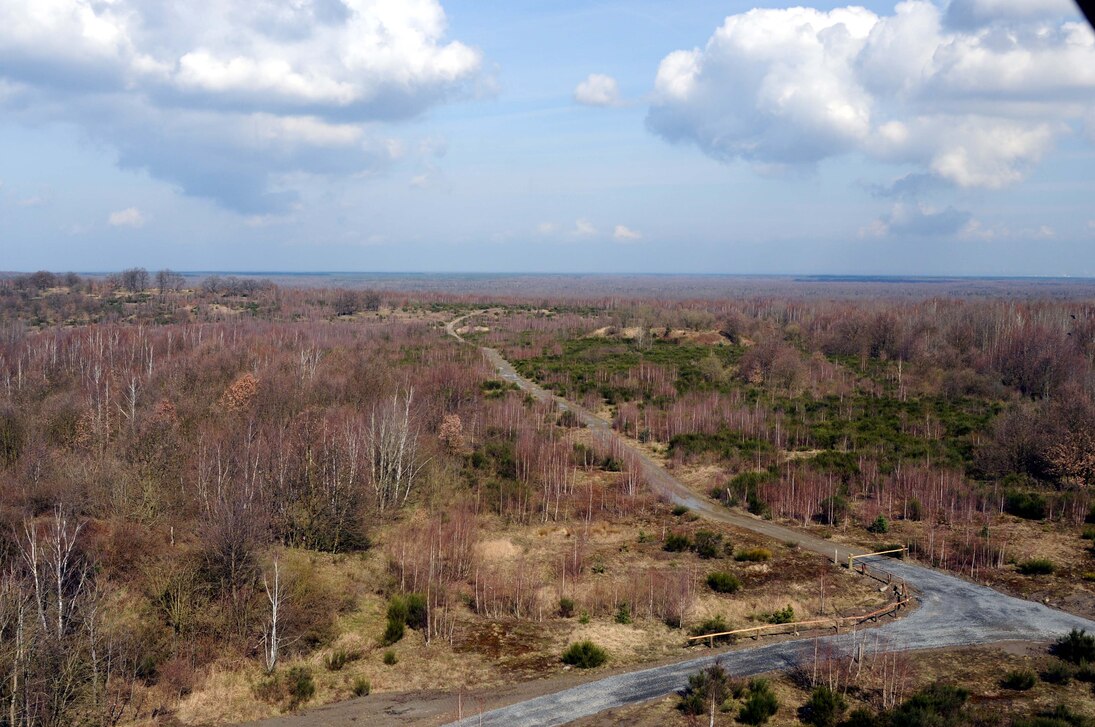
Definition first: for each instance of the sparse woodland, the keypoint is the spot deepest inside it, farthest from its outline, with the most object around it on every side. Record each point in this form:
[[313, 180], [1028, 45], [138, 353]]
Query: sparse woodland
[[303, 490]]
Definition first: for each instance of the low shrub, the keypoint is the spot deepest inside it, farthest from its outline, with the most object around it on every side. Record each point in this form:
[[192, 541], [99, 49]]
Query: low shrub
[[710, 684], [753, 555], [361, 687], [679, 510], [1058, 672], [1037, 567], [677, 543], [623, 614], [1019, 680], [585, 655], [338, 659], [566, 607], [1078, 647], [712, 625], [760, 705], [1027, 505], [879, 526], [707, 544], [300, 685], [782, 616], [390, 659], [723, 582], [824, 708], [393, 633]]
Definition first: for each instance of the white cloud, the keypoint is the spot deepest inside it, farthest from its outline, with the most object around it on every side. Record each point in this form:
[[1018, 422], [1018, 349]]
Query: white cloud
[[975, 105], [584, 228], [598, 90], [625, 234], [547, 228], [225, 97], [976, 230], [129, 217], [918, 220]]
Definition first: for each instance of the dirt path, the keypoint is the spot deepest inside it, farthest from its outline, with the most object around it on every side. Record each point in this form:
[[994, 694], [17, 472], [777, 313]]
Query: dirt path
[[952, 612]]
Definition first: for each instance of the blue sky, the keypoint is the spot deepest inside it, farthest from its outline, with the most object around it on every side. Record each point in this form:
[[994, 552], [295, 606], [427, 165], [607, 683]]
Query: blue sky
[[470, 136]]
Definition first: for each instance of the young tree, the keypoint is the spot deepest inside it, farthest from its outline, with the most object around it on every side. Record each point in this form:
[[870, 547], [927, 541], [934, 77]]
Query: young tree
[[392, 451]]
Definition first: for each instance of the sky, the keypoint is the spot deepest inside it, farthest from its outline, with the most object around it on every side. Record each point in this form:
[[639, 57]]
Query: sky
[[533, 136]]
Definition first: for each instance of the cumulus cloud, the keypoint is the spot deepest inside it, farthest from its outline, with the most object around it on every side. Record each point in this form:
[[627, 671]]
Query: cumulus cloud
[[626, 234], [598, 90], [225, 98], [973, 103], [129, 217], [919, 220], [584, 228]]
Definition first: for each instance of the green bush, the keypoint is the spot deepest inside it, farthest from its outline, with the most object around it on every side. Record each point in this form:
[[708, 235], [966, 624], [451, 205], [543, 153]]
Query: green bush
[[300, 685], [833, 510], [782, 616], [679, 510], [1020, 680], [761, 704], [1037, 567], [393, 632], [1027, 505], [710, 684], [390, 659], [722, 582], [938, 704], [707, 544], [417, 613], [1058, 672], [824, 708], [361, 687], [338, 659], [566, 607], [1061, 716], [585, 655], [677, 543], [1078, 647], [879, 526], [623, 614], [754, 555], [712, 625]]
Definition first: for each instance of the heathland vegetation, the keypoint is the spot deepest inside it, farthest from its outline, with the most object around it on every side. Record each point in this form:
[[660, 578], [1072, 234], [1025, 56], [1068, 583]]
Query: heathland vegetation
[[226, 499]]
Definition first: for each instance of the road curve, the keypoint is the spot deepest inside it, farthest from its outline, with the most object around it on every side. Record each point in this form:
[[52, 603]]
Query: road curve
[[952, 611]]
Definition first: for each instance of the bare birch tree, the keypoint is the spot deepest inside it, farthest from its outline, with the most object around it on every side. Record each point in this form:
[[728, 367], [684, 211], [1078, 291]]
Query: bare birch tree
[[271, 639], [391, 442]]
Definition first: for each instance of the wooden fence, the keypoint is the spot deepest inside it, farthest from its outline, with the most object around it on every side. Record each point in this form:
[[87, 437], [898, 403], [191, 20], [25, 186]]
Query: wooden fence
[[794, 627]]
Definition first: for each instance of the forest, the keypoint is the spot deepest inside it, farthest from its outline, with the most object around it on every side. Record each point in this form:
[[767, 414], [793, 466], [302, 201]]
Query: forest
[[227, 499]]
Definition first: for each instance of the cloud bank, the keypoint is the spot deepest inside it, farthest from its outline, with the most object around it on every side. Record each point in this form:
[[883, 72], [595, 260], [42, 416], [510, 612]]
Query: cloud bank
[[974, 95], [229, 98]]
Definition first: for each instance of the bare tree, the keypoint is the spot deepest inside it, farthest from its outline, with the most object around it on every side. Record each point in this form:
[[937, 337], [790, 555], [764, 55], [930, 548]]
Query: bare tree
[[392, 449], [168, 280], [135, 279], [270, 639]]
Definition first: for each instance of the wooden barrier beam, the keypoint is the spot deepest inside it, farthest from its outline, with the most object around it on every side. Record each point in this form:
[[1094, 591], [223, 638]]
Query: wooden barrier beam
[[796, 625]]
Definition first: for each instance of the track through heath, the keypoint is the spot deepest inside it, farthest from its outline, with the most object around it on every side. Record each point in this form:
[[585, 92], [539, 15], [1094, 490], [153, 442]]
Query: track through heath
[[951, 612]]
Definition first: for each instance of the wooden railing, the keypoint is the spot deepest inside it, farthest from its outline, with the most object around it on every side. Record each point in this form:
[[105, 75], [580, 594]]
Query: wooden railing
[[795, 626]]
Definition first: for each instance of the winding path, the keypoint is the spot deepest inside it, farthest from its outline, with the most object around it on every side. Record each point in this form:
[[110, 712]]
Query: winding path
[[952, 612]]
